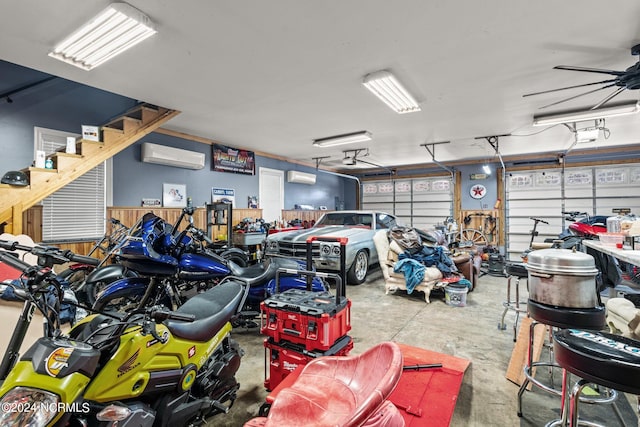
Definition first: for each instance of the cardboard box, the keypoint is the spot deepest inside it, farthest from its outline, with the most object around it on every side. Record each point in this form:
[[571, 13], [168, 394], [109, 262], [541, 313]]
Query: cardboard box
[[90, 133]]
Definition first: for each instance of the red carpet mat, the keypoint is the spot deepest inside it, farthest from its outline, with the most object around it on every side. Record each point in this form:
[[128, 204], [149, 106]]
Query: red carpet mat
[[8, 273], [427, 397]]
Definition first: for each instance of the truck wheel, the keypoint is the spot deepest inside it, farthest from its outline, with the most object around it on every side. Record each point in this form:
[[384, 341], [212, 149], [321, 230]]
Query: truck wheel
[[359, 269]]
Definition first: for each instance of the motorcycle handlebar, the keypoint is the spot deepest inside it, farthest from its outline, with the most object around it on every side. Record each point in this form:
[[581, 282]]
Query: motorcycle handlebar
[[15, 262], [52, 253], [199, 234], [13, 246], [160, 315], [81, 258], [538, 220], [181, 316]]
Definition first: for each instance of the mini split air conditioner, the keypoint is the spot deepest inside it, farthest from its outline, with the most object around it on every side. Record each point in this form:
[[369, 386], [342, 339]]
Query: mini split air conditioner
[[163, 155], [301, 177]]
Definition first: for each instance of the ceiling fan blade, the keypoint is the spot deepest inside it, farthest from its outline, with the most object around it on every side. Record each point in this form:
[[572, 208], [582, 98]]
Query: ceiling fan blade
[[608, 98], [569, 87], [577, 96], [589, 70]]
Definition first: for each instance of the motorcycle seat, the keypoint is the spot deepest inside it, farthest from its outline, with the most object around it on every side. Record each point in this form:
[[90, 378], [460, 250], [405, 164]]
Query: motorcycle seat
[[261, 273], [339, 390], [212, 309]]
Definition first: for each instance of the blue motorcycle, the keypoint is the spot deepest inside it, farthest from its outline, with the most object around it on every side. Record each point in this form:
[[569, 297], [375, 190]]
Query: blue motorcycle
[[167, 270]]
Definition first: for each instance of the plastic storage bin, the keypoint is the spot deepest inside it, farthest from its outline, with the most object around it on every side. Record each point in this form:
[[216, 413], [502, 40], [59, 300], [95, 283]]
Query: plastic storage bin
[[456, 295], [611, 239], [284, 358], [313, 320]]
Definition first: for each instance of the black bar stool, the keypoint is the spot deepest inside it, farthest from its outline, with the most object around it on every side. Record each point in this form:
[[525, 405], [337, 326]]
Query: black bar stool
[[518, 271], [600, 358], [556, 317]]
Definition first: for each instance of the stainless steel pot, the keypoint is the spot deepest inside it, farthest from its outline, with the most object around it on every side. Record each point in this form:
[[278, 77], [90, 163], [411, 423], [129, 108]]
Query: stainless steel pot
[[562, 278]]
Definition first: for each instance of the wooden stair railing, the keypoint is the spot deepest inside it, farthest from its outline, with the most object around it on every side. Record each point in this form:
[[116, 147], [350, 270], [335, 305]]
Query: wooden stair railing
[[117, 135]]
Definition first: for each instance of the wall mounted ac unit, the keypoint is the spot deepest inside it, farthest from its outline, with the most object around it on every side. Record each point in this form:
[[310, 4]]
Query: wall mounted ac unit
[[164, 155], [301, 177]]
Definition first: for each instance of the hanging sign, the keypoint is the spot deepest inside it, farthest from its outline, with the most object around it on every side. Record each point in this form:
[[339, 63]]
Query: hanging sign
[[476, 176], [478, 191], [227, 159], [223, 195]]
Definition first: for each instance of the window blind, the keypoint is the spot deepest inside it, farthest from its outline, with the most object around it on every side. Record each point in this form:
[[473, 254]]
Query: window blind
[[78, 210]]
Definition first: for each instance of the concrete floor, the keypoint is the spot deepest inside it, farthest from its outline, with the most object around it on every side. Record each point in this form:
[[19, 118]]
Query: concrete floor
[[486, 398]]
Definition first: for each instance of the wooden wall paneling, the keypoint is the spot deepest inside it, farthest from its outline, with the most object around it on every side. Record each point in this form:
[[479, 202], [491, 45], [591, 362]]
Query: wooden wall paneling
[[129, 215], [32, 223], [302, 215], [81, 248], [479, 221], [457, 196]]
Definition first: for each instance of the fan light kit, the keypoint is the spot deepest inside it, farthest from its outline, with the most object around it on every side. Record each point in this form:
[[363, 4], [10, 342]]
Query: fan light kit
[[116, 29], [584, 115], [385, 86], [348, 138]]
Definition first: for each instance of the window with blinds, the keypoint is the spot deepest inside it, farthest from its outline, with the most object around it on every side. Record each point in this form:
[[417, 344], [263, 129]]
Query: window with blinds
[[78, 210]]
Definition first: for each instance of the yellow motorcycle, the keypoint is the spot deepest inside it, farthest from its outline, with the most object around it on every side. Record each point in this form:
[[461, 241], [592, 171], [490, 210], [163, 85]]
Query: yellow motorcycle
[[149, 367]]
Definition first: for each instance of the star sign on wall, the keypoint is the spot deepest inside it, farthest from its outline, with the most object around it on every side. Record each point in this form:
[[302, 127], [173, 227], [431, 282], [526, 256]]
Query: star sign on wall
[[478, 191]]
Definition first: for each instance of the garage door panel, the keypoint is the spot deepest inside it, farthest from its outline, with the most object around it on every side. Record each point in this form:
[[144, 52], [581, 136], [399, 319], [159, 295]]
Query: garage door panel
[[415, 202], [403, 210], [581, 205], [534, 194], [605, 187], [435, 197]]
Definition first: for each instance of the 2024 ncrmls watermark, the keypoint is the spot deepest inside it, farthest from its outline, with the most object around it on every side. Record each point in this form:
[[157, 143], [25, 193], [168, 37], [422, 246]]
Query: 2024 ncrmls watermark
[[77, 407]]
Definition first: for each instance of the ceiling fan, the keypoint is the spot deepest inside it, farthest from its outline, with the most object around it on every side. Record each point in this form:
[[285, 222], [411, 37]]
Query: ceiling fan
[[628, 79]]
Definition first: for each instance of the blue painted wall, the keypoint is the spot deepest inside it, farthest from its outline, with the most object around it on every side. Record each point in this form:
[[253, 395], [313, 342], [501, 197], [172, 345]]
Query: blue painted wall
[[491, 184], [57, 104], [64, 105], [136, 180]]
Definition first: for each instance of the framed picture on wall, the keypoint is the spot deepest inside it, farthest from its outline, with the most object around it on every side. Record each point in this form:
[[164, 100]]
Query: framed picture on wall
[[174, 195]]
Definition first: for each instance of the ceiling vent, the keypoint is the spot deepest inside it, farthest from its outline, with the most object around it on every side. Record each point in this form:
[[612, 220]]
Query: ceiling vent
[[301, 177], [169, 156]]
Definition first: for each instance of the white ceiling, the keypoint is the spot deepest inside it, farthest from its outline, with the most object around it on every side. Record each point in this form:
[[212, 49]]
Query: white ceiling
[[271, 76]]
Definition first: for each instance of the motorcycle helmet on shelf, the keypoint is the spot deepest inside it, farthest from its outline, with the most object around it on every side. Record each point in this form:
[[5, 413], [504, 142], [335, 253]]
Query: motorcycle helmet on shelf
[[15, 178]]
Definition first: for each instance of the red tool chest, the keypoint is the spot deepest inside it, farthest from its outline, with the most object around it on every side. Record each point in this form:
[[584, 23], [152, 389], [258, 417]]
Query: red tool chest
[[313, 320], [283, 358]]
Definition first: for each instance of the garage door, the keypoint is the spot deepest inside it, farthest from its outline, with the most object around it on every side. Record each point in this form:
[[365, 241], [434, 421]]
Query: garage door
[[545, 194], [420, 203]]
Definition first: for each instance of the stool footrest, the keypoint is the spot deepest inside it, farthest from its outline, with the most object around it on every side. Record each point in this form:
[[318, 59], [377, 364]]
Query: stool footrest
[[538, 383]]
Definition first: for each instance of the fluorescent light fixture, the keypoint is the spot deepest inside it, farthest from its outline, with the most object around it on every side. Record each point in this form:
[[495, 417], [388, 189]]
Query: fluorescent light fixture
[[386, 87], [584, 115], [349, 138], [116, 29], [486, 169]]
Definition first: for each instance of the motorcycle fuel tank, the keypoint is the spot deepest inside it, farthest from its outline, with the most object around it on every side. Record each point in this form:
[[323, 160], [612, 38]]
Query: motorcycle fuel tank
[[200, 267]]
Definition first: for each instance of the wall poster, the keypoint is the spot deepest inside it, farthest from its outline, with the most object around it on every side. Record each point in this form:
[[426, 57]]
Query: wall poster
[[227, 159], [223, 195], [174, 195]]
